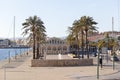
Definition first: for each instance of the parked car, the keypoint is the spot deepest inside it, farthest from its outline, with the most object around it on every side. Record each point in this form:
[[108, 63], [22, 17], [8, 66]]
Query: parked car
[[115, 58]]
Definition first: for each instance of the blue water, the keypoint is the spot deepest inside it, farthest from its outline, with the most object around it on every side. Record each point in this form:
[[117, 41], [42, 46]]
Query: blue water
[[10, 52]]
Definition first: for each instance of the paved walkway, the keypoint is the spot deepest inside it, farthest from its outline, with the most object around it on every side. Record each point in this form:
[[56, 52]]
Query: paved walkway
[[22, 70]]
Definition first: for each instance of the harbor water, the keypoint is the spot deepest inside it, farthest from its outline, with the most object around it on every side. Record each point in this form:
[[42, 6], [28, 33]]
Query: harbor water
[[11, 52]]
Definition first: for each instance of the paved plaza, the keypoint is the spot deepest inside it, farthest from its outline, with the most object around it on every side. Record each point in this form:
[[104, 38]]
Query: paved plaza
[[21, 69]]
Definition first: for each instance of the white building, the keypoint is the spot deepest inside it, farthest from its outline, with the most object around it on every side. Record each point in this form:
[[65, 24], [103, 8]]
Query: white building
[[4, 42], [55, 46]]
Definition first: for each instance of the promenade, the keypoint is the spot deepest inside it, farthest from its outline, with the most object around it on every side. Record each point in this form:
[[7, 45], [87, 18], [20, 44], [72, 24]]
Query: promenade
[[20, 69]]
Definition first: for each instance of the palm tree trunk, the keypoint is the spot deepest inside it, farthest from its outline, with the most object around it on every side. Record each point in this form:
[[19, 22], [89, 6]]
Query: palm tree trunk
[[82, 43], [77, 46], [33, 45], [37, 50], [87, 46]]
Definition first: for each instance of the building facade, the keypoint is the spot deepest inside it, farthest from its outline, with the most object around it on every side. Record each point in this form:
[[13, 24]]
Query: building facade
[[4, 42], [55, 46]]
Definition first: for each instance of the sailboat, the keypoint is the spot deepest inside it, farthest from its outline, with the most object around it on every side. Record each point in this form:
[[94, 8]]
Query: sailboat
[[14, 45]]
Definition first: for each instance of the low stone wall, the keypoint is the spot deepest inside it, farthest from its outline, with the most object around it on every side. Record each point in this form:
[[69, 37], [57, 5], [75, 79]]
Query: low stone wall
[[61, 63]]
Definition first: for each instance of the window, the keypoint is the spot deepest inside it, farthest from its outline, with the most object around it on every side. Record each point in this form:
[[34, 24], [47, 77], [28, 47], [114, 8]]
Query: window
[[59, 48], [54, 48], [64, 48], [49, 48]]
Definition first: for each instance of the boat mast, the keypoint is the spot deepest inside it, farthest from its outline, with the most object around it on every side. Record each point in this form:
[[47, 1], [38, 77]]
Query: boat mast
[[112, 26], [118, 15], [14, 30]]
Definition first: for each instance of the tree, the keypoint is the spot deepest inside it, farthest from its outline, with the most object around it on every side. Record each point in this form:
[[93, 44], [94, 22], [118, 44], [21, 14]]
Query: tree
[[88, 25], [79, 31], [100, 44], [40, 37], [71, 38], [75, 32], [30, 26], [79, 28]]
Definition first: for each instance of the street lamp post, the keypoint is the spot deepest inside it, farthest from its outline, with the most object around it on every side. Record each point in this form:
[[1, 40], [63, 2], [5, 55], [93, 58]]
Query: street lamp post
[[107, 41], [113, 61], [98, 51], [114, 55], [107, 54]]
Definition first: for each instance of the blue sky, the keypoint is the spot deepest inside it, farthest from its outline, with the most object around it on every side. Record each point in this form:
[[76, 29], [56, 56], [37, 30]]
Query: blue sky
[[57, 15]]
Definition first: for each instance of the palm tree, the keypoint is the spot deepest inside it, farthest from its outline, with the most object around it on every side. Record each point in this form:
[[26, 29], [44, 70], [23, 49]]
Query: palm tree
[[112, 44], [87, 23], [75, 32], [82, 42], [84, 24], [40, 37], [70, 38], [29, 39], [100, 44], [30, 26], [79, 30]]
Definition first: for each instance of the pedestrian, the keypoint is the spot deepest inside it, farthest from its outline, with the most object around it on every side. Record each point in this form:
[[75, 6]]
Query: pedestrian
[[101, 62], [27, 53]]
